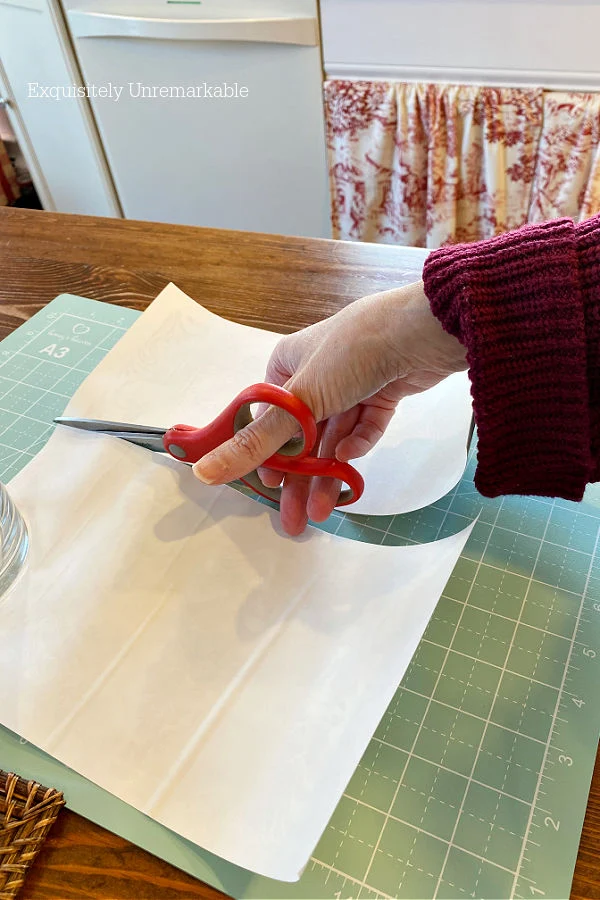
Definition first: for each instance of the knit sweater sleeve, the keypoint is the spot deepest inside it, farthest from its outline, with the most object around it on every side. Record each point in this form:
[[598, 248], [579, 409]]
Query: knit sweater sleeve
[[526, 306]]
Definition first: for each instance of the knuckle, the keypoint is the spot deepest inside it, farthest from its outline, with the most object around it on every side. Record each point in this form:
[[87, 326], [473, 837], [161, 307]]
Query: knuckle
[[247, 443], [374, 432]]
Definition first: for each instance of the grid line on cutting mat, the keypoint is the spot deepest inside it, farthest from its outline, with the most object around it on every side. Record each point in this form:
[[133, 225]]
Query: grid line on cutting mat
[[491, 737], [416, 738], [487, 722]]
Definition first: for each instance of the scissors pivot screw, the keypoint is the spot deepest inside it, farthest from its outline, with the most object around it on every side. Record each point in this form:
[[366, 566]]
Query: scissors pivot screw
[[177, 451]]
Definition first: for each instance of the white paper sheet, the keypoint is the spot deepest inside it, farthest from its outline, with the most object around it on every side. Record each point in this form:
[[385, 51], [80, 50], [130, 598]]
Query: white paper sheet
[[420, 458], [167, 642]]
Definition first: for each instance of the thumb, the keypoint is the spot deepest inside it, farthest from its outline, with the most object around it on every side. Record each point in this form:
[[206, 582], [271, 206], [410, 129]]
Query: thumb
[[247, 449]]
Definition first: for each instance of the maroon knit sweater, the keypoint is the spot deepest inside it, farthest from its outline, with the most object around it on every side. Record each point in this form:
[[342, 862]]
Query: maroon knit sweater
[[526, 305]]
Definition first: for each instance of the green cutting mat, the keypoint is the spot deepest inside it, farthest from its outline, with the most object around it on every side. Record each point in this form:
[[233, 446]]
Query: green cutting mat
[[475, 783]]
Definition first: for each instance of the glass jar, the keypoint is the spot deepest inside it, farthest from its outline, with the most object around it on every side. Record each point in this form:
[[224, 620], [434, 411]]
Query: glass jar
[[14, 541]]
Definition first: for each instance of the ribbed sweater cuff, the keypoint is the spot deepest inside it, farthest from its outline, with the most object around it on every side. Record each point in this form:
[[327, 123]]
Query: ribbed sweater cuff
[[588, 249], [515, 302]]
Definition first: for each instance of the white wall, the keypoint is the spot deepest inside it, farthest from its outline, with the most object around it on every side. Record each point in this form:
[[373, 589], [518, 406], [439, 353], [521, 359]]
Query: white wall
[[553, 43]]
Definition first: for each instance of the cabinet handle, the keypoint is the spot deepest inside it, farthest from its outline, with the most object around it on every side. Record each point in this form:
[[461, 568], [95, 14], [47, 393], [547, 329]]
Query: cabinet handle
[[281, 30]]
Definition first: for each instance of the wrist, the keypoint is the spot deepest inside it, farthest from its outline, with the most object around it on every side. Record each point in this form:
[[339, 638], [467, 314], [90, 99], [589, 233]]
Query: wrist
[[417, 338]]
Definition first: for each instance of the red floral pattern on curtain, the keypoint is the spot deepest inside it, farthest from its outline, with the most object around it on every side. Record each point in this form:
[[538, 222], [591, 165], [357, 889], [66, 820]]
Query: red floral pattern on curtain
[[567, 178], [426, 165], [9, 189]]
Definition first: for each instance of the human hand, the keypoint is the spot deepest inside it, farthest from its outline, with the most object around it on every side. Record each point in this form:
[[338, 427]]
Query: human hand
[[352, 370]]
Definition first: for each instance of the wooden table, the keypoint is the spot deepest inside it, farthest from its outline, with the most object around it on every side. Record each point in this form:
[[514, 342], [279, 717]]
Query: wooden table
[[274, 282]]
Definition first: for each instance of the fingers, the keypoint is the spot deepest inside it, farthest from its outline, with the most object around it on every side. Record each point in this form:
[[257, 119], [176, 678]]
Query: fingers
[[325, 492], [348, 436], [369, 428], [247, 449], [272, 479], [269, 477], [259, 440], [292, 508], [303, 498]]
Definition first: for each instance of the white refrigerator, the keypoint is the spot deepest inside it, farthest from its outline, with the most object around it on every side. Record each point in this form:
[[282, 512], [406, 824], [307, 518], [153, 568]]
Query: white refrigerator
[[210, 113]]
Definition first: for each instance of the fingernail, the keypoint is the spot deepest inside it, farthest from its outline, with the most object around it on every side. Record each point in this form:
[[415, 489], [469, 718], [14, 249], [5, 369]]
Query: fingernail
[[210, 470]]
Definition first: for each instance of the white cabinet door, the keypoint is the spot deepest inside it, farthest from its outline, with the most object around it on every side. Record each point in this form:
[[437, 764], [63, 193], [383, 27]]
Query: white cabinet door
[[58, 137], [179, 150]]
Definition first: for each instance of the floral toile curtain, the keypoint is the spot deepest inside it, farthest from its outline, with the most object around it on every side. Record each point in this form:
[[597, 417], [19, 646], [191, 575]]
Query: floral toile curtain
[[426, 165], [9, 189], [567, 175]]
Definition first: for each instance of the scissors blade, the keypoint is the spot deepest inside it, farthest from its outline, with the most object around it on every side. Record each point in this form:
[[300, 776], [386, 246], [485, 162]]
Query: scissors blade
[[142, 435], [108, 427], [150, 442]]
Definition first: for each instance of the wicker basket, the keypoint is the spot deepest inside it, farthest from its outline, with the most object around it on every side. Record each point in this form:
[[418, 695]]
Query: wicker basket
[[27, 812]]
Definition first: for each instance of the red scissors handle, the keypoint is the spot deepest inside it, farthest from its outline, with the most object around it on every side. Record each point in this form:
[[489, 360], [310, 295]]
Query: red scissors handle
[[314, 466], [189, 444]]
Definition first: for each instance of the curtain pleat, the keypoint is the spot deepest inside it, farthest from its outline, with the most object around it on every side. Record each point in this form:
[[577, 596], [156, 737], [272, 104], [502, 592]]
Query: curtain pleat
[[567, 176], [426, 165]]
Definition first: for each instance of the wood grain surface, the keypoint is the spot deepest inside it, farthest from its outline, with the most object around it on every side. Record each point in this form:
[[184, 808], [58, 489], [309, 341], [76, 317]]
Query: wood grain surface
[[263, 280]]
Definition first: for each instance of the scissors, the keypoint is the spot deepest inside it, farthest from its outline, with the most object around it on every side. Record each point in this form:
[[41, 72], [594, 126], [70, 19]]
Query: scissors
[[188, 444]]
